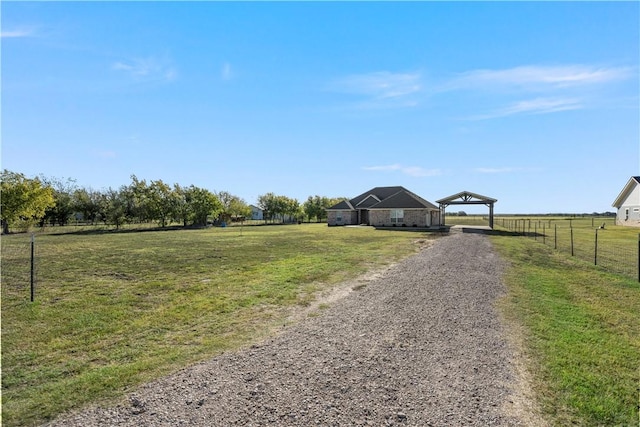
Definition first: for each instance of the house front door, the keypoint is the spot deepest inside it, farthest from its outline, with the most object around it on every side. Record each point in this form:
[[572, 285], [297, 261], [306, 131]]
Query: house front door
[[364, 216]]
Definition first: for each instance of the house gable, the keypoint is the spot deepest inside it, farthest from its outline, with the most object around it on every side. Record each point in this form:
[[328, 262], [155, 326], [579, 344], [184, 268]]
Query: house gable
[[380, 193], [404, 200], [627, 191], [368, 201], [342, 206], [628, 204]]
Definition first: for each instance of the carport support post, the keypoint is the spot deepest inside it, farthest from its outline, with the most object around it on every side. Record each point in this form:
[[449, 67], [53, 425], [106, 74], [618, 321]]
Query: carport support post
[[491, 215]]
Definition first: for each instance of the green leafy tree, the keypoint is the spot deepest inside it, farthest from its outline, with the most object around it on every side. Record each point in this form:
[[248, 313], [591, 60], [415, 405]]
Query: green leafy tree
[[87, 202], [316, 207], [234, 207], [114, 207], [269, 205], [23, 199], [138, 200], [309, 208], [195, 205], [64, 207], [182, 212], [291, 209], [203, 204], [161, 202], [279, 207]]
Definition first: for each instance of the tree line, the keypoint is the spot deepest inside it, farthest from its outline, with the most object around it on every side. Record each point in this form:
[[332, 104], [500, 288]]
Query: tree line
[[53, 201]]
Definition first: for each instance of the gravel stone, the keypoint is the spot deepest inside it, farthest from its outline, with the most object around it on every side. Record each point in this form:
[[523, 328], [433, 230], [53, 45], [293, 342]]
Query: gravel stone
[[421, 344]]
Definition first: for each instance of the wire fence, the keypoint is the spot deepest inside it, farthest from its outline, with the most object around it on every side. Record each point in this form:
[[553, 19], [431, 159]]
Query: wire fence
[[18, 271], [615, 251], [596, 241]]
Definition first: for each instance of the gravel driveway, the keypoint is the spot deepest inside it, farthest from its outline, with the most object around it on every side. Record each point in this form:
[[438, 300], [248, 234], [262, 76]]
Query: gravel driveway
[[419, 345]]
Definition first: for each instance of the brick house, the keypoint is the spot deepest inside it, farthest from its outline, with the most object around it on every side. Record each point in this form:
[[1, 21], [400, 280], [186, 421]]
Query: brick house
[[385, 207]]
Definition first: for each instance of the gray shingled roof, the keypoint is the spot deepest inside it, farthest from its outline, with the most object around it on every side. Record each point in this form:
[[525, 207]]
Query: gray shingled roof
[[385, 198], [380, 192], [404, 200], [368, 201], [343, 206]]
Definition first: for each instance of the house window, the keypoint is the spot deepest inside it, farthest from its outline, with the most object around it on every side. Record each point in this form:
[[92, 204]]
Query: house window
[[397, 216], [626, 214], [636, 209], [339, 216]]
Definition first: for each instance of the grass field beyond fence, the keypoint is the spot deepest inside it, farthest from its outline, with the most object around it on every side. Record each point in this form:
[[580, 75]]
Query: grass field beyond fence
[[115, 309], [580, 332], [596, 240]]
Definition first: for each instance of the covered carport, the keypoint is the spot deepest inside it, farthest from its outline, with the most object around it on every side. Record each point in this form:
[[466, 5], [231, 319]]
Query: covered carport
[[466, 198]]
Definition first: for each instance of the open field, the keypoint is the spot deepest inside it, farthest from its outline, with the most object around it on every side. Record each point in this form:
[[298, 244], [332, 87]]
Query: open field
[[617, 246], [579, 328], [113, 310]]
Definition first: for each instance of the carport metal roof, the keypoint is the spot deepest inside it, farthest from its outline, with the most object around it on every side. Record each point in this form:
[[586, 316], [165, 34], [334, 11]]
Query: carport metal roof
[[467, 198]]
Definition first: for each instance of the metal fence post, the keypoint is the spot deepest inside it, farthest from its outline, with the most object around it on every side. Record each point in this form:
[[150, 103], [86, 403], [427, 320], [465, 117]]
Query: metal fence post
[[595, 253], [33, 289], [555, 236], [571, 241]]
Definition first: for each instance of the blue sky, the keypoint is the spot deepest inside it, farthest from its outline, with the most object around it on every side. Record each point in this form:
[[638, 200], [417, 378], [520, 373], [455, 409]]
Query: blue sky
[[534, 104]]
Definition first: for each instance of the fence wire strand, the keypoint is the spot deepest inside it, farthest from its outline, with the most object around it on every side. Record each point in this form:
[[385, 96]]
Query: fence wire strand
[[586, 243], [15, 267]]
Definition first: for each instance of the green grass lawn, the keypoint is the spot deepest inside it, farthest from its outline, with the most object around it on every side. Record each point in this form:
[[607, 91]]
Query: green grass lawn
[[581, 334], [617, 246], [113, 310], [467, 220]]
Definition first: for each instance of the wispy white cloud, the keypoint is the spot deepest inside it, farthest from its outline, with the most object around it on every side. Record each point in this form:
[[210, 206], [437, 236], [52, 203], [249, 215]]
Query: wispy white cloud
[[226, 73], [495, 170], [533, 77], [17, 33], [558, 88], [526, 89], [414, 171], [381, 89], [150, 68], [533, 106], [503, 170]]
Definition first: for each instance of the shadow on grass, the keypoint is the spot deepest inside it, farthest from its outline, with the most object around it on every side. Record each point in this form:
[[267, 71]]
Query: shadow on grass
[[98, 231], [491, 232]]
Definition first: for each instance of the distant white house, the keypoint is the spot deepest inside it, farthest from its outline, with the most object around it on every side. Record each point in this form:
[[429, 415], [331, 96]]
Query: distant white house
[[628, 204], [256, 213]]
